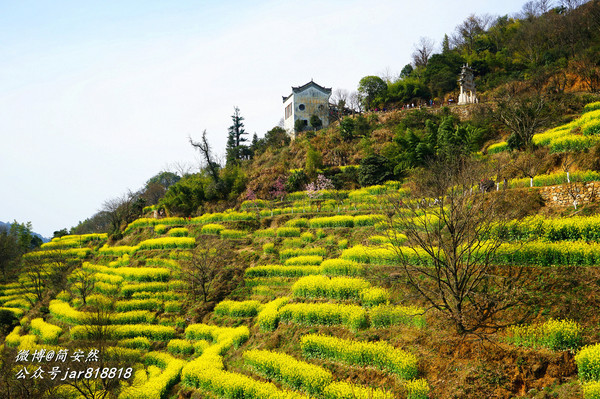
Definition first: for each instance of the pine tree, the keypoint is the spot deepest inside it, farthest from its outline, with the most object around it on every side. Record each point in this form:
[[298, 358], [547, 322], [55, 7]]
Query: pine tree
[[235, 149]]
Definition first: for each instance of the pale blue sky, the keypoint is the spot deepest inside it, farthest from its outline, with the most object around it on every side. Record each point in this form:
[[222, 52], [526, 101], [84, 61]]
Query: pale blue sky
[[97, 97]]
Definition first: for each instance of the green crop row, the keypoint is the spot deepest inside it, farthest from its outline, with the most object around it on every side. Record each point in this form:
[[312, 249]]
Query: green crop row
[[339, 288], [155, 332], [156, 386], [294, 252], [288, 371], [238, 309], [346, 390], [47, 332], [268, 318], [351, 316], [588, 363], [378, 354], [554, 334], [281, 271], [559, 229], [304, 260]]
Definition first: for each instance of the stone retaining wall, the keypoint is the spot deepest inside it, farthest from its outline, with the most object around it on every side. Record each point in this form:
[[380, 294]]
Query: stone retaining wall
[[566, 194]]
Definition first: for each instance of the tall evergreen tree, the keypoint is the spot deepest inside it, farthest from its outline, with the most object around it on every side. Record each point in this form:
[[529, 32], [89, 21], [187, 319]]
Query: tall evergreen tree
[[235, 149]]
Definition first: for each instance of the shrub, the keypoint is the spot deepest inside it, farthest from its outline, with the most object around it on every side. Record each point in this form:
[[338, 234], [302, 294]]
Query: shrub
[[160, 229], [307, 236]]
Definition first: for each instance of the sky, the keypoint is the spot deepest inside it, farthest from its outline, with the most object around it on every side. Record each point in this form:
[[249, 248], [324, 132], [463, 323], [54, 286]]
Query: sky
[[98, 97]]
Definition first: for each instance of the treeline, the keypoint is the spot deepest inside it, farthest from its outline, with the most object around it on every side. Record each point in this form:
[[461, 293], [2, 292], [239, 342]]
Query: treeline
[[553, 46]]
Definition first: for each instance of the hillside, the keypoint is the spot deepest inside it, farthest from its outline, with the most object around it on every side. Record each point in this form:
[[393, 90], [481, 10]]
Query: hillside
[[303, 296]]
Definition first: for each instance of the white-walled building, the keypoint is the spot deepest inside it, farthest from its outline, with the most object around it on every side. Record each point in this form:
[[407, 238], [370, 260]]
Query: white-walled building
[[305, 101]]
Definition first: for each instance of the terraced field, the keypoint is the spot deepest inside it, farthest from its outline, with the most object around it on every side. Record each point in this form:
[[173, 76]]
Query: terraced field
[[313, 282]]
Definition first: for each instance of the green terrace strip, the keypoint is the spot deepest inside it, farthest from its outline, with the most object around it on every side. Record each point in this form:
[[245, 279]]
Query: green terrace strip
[[180, 347], [131, 273], [72, 253], [541, 253], [288, 232], [178, 232], [118, 250], [223, 336], [382, 316], [341, 267], [575, 228], [47, 332], [293, 242], [340, 288], [203, 375], [588, 363], [74, 241], [155, 332], [168, 242], [591, 390], [238, 309], [137, 304], [268, 318], [293, 252], [212, 228], [332, 221], [379, 355], [554, 334], [329, 314], [299, 222], [304, 260], [281, 271], [345, 390], [159, 262], [135, 343], [120, 261], [288, 371], [127, 290], [555, 179], [264, 233], [160, 229], [159, 385], [233, 234]]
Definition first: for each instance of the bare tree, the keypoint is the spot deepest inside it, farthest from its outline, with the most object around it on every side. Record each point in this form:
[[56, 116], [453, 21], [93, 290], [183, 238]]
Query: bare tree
[[339, 99], [203, 270], [206, 151], [83, 283], [468, 30], [422, 51], [522, 114], [449, 255], [355, 102]]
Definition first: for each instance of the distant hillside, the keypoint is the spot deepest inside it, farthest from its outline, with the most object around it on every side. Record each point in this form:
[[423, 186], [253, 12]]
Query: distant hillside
[[4, 225]]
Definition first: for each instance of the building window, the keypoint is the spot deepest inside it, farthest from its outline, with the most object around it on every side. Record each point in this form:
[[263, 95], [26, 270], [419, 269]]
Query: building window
[[301, 107], [288, 111]]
